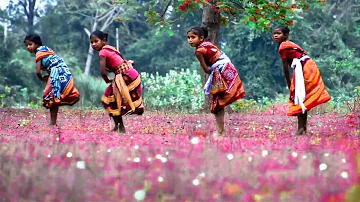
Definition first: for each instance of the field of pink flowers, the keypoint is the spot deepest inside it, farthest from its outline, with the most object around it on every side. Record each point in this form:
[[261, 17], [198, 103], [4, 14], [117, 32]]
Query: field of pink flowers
[[172, 157]]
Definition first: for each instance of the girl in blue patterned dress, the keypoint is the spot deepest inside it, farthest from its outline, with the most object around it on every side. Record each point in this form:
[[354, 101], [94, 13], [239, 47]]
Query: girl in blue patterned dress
[[60, 88]]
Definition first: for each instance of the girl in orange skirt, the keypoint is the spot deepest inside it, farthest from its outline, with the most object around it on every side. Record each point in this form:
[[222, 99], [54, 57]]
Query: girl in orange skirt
[[124, 94], [224, 84], [60, 88], [307, 88]]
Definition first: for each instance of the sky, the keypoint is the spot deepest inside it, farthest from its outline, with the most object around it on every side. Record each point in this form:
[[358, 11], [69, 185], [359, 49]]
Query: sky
[[3, 4]]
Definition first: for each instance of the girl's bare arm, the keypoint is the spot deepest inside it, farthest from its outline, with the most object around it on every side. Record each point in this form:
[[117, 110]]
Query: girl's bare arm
[[203, 64], [38, 72], [103, 71], [286, 72]]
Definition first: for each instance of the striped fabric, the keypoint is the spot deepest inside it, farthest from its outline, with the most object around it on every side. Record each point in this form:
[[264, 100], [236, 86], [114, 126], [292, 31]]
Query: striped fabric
[[316, 92]]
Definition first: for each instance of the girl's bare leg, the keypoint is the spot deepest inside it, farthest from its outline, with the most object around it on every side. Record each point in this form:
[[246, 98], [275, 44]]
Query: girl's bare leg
[[302, 124], [53, 115], [121, 125], [220, 122], [116, 122]]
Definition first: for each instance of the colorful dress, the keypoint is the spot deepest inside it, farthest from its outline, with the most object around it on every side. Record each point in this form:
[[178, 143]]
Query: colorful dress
[[60, 88], [224, 84], [315, 92], [124, 94]]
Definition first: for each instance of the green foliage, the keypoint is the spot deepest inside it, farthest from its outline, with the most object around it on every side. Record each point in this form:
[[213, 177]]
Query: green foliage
[[161, 53], [255, 57], [244, 106], [91, 89], [176, 90], [259, 105], [344, 82], [19, 84], [255, 14], [16, 96]]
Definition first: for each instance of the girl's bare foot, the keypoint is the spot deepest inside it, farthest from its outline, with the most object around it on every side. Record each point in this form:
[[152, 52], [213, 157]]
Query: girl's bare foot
[[116, 128], [119, 129], [122, 129], [218, 136], [300, 132]]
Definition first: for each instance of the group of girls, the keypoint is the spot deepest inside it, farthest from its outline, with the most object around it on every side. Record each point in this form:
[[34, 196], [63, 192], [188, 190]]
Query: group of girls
[[124, 94]]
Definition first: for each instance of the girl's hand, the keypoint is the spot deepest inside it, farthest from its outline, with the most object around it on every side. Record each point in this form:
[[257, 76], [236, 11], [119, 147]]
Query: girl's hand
[[203, 64], [45, 78], [208, 70], [109, 81]]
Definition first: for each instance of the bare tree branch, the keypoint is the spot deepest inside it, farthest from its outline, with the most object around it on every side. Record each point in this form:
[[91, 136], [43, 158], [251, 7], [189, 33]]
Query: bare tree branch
[[24, 5], [76, 12], [87, 31], [110, 19], [108, 13], [331, 8], [166, 8], [323, 25], [238, 4], [345, 11]]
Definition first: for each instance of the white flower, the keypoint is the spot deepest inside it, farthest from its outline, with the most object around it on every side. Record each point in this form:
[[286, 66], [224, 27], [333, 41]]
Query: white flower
[[230, 156], [139, 195], [195, 140], [69, 155], [322, 166], [81, 164], [196, 182]]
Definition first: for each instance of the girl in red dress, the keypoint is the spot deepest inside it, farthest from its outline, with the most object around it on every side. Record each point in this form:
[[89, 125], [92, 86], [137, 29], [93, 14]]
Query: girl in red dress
[[124, 94], [307, 89], [224, 84]]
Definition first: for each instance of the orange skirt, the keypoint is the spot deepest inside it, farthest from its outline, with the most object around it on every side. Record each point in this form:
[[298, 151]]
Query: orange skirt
[[235, 89], [124, 95], [316, 92], [69, 96]]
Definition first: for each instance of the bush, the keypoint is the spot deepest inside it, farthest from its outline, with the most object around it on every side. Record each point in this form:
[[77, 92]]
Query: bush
[[176, 90], [91, 89], [259, 105]]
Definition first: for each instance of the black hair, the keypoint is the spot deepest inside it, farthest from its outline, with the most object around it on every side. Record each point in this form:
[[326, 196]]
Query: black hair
[[99, 34], [34, 38], [283, 28], [199, 31]]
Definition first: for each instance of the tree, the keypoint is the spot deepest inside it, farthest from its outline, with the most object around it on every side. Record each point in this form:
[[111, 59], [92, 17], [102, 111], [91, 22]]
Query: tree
[[257, 14], [102, 14], [31, 9], [4, 22]]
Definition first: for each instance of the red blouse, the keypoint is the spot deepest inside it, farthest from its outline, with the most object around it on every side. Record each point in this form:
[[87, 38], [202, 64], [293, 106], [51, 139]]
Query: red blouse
[[290, 50], [210, 51]]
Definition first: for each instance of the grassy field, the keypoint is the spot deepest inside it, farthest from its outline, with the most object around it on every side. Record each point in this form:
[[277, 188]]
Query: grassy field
[[172, 157]]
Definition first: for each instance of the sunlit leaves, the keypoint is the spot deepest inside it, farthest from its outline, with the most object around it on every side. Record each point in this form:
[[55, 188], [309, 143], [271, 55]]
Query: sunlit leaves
[[259, 14]]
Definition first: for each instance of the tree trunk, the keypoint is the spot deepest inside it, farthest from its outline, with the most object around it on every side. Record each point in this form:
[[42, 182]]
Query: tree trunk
[[5, 25], [110, 17], [88, 60], [30, 20], [211, 21], [30, 26], [91, 50], [30, 12]]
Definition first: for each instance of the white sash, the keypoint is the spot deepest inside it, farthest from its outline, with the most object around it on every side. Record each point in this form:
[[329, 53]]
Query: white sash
[[300, 92], [220, 63]]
